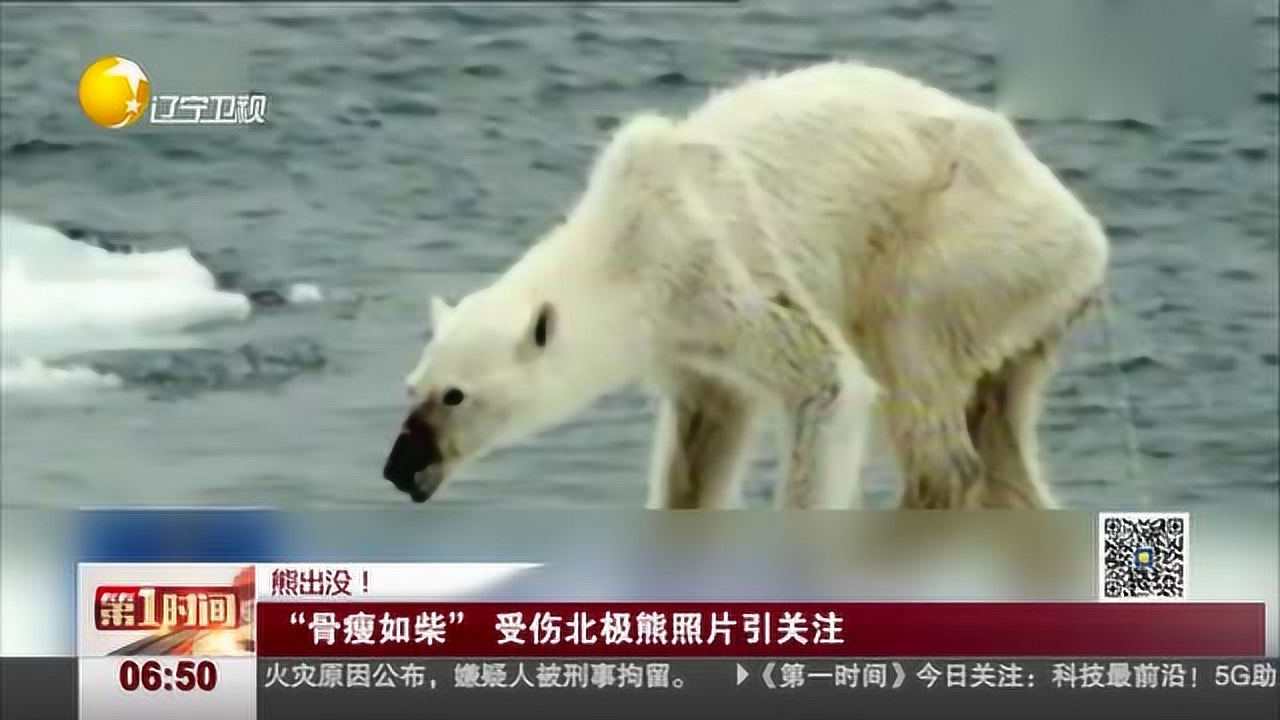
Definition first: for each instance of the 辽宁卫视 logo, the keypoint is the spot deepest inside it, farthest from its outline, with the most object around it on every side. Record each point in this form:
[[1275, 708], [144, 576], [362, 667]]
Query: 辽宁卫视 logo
[[115, 92]]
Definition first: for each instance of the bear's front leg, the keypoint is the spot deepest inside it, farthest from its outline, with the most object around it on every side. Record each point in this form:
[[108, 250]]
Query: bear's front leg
[[827, 396], [699, 446], [825, 438]]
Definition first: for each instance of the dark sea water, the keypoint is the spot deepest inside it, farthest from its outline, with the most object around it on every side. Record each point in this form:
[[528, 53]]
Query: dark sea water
[[417, 150]]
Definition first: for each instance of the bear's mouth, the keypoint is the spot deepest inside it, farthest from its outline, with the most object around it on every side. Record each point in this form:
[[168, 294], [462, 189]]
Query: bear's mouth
[[415, 464], [426, 483]]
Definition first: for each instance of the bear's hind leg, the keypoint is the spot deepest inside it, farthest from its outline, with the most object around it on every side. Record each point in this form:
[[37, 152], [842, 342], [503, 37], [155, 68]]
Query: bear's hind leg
[[699, 447], [937, 461], [1002, 417]]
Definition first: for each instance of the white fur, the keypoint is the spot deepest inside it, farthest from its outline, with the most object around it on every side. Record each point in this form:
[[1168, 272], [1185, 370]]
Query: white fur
[[841, 447], [829, 242]]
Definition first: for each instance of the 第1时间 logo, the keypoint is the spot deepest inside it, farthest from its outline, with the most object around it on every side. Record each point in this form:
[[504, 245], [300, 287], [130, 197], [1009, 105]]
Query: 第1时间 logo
[[209, 611], [115, 92], [169, 607]]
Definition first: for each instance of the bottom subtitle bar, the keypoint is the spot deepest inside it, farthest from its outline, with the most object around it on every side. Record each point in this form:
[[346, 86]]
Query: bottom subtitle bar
[[622, 689], [317, 689]]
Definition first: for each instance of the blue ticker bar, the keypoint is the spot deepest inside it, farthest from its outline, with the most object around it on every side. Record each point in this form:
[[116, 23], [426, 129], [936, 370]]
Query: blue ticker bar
[[159, 536]]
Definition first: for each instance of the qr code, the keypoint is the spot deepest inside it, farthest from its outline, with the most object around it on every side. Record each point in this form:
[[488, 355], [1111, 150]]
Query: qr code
[[1143, 556]]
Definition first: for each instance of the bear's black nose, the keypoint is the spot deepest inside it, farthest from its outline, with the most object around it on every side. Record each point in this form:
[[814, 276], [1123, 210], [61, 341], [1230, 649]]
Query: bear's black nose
[[414, 450]]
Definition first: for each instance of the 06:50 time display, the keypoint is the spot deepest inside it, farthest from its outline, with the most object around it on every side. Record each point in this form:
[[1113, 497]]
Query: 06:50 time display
[[154, 676]]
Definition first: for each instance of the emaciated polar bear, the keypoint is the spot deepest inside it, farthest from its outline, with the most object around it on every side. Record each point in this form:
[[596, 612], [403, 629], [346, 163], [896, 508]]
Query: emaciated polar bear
[[834, 244]]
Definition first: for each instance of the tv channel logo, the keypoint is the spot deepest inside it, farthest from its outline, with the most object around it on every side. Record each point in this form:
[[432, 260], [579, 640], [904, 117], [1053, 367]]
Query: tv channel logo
[[116, 92]]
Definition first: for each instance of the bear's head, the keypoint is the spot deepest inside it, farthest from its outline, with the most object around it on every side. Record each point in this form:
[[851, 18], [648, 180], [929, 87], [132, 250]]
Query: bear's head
[[499, 367]]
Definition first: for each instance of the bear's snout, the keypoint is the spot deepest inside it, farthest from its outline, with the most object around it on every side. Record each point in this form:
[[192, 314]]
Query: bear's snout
[[415, 449]]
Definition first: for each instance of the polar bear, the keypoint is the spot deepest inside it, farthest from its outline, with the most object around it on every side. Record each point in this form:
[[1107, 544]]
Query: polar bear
[[835, 247]]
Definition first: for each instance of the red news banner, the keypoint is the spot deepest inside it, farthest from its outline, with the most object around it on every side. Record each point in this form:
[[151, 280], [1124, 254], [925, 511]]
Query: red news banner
[[378, 611]]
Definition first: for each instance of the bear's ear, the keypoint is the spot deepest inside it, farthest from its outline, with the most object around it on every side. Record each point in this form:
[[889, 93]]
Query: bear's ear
[[440, 311]]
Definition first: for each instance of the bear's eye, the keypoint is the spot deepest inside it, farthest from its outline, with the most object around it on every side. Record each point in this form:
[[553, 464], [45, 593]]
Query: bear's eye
[[453, 397]]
